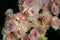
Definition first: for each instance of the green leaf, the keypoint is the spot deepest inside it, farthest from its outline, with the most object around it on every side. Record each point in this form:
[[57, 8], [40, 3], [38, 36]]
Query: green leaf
[[43, 38]]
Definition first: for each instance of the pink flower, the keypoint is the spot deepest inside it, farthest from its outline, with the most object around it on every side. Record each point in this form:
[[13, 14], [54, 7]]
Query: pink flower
[[56, 2], [31, 11], [43, 3], [11, 25], [26, 37], [25, 25], [46, 17], [55, 9], [55, 23], [42, 30], [19, 31], [34, 34], [10, 37]]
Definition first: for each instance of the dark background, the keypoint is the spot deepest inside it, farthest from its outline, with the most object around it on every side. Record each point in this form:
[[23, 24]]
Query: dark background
[[6, 4]]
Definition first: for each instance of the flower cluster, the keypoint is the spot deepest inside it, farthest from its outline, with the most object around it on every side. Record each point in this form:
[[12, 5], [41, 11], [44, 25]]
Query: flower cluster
[[32, 21]]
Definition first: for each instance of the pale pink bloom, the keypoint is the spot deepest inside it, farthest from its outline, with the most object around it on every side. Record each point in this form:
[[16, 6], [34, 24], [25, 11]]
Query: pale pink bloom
[[55, 23], [56, 2], [31, 2], [55, 9], [46, 17], [34, 34], [12, 25], [25, 25], [42, 30], [33, 12], [10, 37], [23, 8], [35, 23], [26, 37], [43, 3], [20, 32], [27, 1]]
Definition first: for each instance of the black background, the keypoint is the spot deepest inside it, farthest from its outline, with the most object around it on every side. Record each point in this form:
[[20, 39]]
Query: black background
[[6, 4]]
